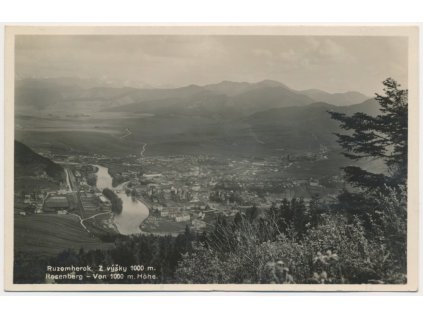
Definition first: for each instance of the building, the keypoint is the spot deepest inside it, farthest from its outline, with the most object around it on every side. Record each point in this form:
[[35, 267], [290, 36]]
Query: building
[[55, 203], [164, 213], [152, 176], [198, 224], [182, 218], [27, 198], [314, 183]]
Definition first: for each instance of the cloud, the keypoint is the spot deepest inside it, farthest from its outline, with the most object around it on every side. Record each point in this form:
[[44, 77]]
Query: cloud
[[308, 53], [328, 49], [320, 52]]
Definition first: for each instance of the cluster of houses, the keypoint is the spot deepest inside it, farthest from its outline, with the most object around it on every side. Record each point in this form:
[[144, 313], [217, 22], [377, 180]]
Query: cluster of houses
[[51, 202], [168, 192], [181, 214]]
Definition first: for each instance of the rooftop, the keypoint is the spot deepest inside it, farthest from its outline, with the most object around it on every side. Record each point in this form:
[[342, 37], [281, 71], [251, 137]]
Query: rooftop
[[56, 202]]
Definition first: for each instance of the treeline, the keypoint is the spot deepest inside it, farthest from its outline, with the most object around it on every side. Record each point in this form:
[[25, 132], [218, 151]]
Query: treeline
[[116, 202], [91, 179]]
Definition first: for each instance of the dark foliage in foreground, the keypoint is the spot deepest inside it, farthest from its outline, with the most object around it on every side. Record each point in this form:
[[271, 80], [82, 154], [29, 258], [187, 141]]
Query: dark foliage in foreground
[[315, 247], [380, 137]]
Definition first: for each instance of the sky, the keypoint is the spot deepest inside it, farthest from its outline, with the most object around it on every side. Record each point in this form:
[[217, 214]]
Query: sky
[[331, 63]]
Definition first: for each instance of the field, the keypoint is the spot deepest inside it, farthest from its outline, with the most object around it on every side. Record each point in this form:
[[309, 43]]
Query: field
[[164, 134], [80, 141], [28, 184], [49, 234]]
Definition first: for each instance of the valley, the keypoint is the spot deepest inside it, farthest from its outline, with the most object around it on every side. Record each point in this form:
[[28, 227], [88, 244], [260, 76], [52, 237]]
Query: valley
[[187, 155]]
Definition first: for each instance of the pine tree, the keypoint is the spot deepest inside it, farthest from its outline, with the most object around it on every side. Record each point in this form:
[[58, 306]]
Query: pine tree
[[378, 137]]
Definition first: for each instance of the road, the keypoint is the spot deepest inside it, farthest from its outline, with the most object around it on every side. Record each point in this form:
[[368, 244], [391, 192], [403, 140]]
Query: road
[[67, 179], [81, 220], [70, 179], [127, 133], [143, 150]]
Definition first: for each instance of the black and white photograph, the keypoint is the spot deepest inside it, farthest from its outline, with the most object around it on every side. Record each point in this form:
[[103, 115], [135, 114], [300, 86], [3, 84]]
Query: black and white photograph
[[211, 158]]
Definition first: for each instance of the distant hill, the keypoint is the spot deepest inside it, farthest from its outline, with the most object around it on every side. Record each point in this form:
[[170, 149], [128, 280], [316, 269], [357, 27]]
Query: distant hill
[[304, 127], [166, 93], [235, 88], [254, 98], [297, 128], [249, 99], [370, 107], [29, 163], [37, 94], [40, 94], [268, 97], [229, 88], [338, 99], [200, 104]]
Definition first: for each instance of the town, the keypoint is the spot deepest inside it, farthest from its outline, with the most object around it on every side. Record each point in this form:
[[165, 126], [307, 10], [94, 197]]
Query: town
[[179, 190]]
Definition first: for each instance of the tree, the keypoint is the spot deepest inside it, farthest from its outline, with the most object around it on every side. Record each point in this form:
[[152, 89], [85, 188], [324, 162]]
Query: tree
[[92, 179], [378, 137], [300, 217], [117, 204], [285, 216], [316, 210]]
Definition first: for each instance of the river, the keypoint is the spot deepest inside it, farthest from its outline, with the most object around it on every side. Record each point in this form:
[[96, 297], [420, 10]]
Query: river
[[134, 212]]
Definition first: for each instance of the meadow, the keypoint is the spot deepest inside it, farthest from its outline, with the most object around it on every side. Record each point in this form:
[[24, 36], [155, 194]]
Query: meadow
[[49, 234]]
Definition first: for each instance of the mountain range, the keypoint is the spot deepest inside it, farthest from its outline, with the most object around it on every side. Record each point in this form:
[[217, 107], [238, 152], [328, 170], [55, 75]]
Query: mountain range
[[232, 97]]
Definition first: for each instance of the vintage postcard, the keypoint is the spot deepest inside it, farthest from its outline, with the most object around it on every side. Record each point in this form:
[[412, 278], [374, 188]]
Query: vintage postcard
[[211, 158]]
